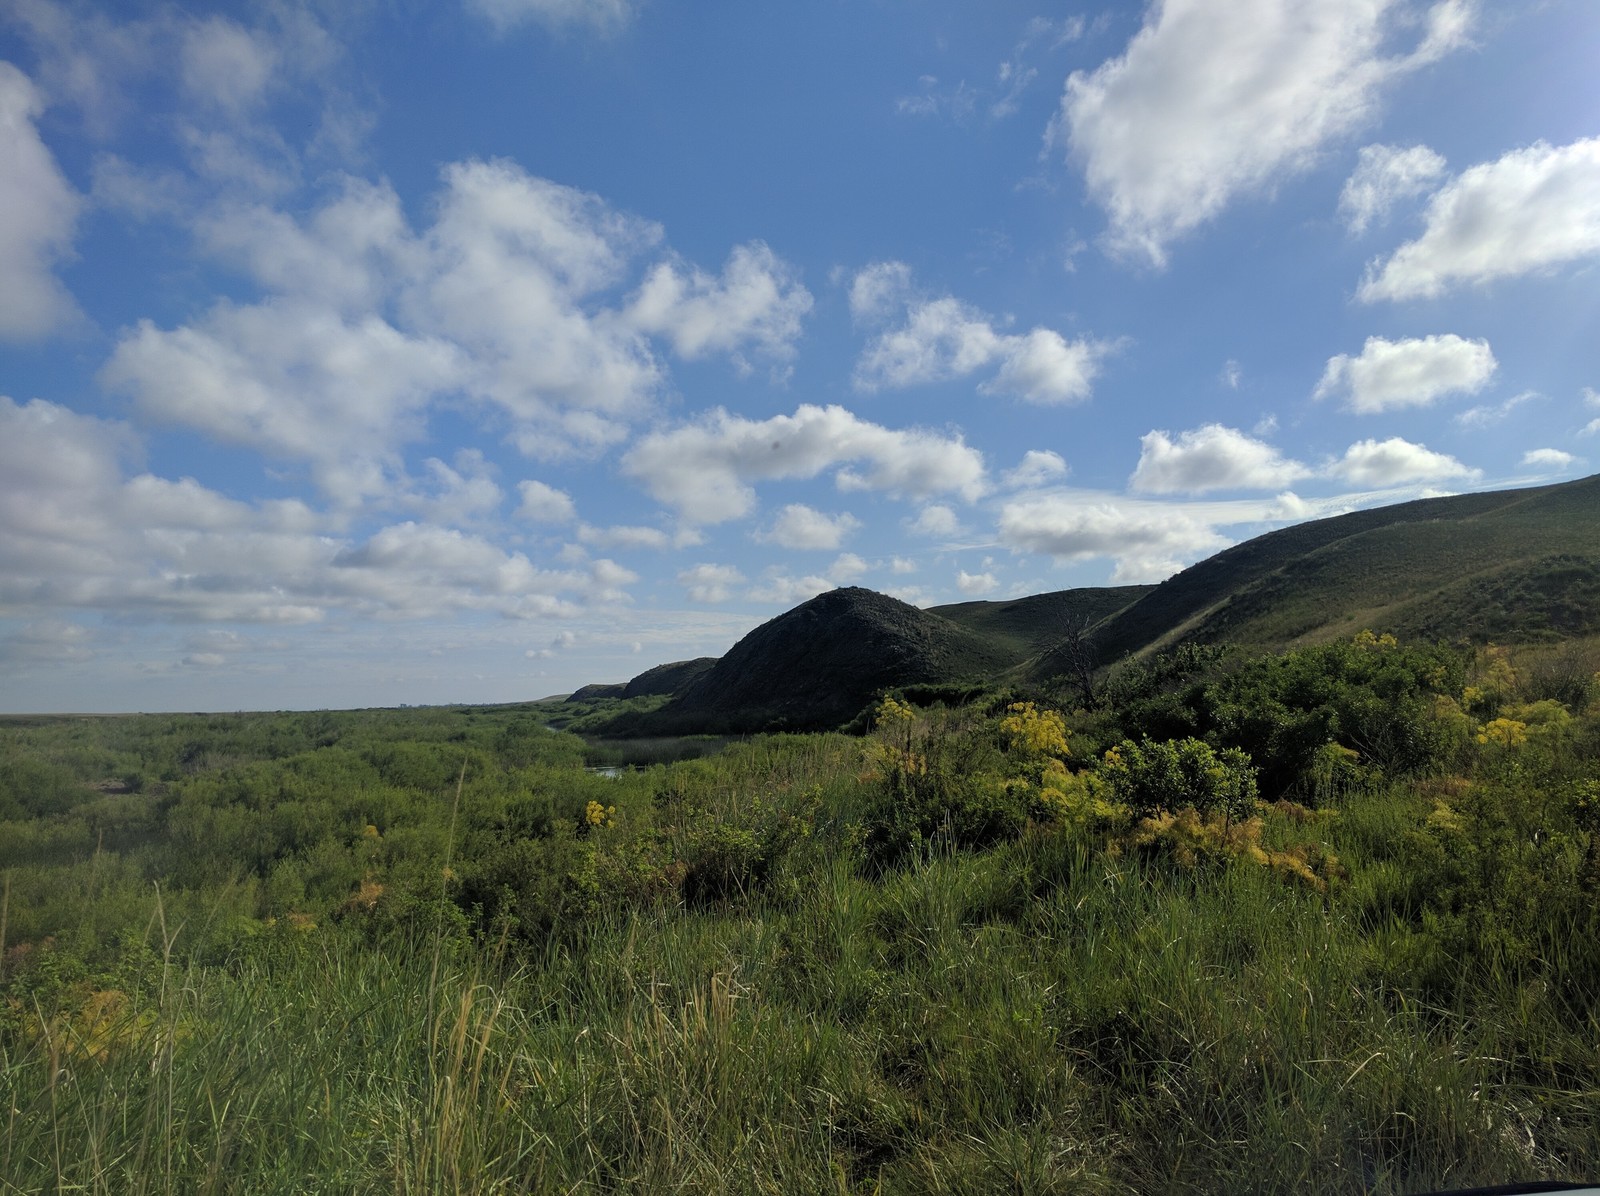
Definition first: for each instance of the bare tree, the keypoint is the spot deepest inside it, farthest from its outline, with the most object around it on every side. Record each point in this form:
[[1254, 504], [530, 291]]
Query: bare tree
[[1079, 657]]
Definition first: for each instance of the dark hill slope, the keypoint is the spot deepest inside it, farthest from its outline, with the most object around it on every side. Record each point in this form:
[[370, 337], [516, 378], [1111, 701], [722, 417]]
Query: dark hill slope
[[1413, 567], [1028, 626], [668, 678], [821, 663]]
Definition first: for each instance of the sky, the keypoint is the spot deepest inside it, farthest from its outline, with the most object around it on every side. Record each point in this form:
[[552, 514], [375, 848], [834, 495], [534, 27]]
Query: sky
[[371, 352]]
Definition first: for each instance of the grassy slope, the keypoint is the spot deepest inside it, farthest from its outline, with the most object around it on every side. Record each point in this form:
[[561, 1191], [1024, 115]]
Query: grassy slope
[[1407, 566], [819, 665], [1027, 626]]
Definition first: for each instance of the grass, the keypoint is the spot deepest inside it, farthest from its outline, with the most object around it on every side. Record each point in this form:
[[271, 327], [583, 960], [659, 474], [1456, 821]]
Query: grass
[[1043, 1015], [1036, 1020]]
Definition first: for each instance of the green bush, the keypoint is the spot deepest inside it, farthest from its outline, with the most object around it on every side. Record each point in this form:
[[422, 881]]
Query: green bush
[[1176, 774]]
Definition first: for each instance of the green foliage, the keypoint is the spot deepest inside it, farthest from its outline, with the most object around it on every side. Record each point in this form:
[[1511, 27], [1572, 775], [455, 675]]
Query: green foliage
[[1153, 777], [964, 953]]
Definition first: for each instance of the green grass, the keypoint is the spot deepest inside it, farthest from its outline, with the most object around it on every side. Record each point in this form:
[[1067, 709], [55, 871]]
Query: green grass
[[1058, 1011]]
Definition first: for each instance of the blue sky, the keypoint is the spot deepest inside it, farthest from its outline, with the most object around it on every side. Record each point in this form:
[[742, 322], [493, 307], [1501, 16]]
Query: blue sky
[[358, 354]]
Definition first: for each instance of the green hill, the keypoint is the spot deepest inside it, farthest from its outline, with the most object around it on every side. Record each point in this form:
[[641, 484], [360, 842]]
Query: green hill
[[1029, 626], [1493, 565], [1510, 565], [668, 678]]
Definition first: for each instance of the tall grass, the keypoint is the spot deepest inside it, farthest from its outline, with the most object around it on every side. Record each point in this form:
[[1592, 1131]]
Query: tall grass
[[1038, 1016]]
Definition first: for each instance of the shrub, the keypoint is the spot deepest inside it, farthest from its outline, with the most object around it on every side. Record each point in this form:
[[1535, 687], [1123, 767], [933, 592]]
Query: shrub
[[1153, 777]]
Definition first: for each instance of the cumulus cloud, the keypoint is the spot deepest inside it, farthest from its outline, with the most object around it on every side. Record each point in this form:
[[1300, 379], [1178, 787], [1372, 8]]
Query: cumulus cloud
[[975, 585], [221, 62], [623, 536], [515, 298], [878, 290], [847, 567], [77, 533], [1549, 460], [544, 504], [604, 16], [457, 493], [40, 212], [941, 339], [1211, 457], [1384, 177], [779, 587], [1407, 373], [710, 583], [758, 301], [1395, 462], [801, 527], [706, 470], [1148, 541], [1533, 209], [1215, 99], [295, 380], [1038, 467], [936, 521]]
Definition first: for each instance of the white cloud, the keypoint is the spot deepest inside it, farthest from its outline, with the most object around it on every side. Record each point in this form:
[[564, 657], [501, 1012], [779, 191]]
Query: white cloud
[[1395, 462], [40, 209], [706, 469], [295, 380], [1214, 99], [801, 527], [1591, 397], [1042, 366], [710, 583], [1384, 177], [458, 493], [900, 566], [77, 534], [517, 271], [513, 298], [221, 62], [604, 16], [1231, 374], [943, 338], [758, 301], [936, 521], [1038, 466], [778, 587], [545, 504], [1483, 417], [847, 567], [976, 584], [877, 290], [1148, 541], [1533, 209], [623, 536], [1549, 460], [351, 254], [1407, 373], [1591, 428], [1211, 457]]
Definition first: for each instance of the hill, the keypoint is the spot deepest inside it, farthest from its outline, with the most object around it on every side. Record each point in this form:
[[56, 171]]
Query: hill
[[818, 665], [1029, 626], [668, 678], [1509, 564]]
